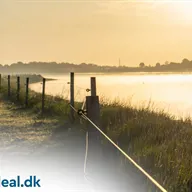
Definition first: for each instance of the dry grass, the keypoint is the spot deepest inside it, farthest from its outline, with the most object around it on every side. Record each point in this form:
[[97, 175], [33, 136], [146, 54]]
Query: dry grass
[[159, 142], [20, 131]]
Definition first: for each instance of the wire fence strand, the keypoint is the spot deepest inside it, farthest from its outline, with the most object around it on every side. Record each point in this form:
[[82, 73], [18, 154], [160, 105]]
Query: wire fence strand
[[125, 154]]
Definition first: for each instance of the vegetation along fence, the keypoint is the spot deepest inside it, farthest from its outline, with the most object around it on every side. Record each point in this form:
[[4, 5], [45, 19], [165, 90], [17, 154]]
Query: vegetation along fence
[[96, 137]]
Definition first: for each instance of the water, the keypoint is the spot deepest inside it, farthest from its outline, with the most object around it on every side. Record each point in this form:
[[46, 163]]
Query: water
[[170, 92]]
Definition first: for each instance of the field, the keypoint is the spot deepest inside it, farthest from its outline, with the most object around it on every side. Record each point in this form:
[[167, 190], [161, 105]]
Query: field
[[158, 142]]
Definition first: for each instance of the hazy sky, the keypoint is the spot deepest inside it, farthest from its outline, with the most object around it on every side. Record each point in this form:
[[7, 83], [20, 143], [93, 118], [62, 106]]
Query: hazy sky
[[95, 31]]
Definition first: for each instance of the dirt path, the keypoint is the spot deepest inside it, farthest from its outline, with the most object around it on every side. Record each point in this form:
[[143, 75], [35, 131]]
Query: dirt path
[[42, 147], [52, 151], [21, 131]]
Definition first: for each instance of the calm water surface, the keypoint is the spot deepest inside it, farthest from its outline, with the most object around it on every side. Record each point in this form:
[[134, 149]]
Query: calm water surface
[[170, 92]]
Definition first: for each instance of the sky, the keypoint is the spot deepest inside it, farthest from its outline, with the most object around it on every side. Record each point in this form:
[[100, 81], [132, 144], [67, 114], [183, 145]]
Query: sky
[[97, 32]]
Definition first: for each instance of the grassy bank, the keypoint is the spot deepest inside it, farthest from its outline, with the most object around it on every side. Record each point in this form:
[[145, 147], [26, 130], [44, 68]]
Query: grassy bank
[[160, 143], [53, 105]]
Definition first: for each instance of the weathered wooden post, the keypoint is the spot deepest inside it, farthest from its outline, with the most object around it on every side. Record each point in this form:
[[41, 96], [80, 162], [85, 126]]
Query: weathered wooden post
[[27, 92], [18, 88], [43, 96], [93, 86], [0, 82], [72, 96], [9, 86], [94, 157]]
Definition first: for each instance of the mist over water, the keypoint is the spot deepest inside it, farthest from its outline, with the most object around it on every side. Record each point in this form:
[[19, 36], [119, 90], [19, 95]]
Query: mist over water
[[169, 92]]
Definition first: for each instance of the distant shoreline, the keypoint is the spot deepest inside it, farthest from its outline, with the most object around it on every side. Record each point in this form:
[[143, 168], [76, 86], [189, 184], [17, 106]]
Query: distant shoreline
[[99, 73], [52, 67]]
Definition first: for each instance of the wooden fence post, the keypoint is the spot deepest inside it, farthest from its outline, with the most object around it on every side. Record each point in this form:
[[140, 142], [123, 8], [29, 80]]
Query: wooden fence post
[[94, 157], [9, 86], [43, 96], [0, 82], [93, 86], [72, 95], [18, 88], [27, 92]]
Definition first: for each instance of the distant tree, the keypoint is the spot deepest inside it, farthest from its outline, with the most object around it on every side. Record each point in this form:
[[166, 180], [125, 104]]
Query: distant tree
[[166, 62], [19, 63], [83, 64], [185, 61], [158, 65], [142, 65]]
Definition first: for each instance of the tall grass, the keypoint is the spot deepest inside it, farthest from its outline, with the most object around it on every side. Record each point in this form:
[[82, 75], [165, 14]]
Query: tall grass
[[159, 142], [54, 105]]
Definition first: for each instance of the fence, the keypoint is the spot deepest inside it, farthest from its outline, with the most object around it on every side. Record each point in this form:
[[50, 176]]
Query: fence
[[91, 114]]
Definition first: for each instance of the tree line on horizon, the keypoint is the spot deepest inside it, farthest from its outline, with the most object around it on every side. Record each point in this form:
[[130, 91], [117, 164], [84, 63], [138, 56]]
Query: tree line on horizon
[[53, 67]]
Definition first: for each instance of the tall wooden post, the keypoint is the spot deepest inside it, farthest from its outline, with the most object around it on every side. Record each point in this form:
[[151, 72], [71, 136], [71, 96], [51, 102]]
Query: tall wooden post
[[9, 86], [27, 92], [18, 88], [0, 82], [94, 157], [72, 96], [43, 96], [93, 86]]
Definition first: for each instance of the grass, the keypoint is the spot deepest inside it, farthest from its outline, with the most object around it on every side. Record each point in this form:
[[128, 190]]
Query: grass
[[22, 130], [56, 106], [159, 142]]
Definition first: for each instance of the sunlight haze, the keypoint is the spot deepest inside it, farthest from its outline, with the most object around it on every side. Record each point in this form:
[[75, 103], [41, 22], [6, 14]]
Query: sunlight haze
[[97, 32]]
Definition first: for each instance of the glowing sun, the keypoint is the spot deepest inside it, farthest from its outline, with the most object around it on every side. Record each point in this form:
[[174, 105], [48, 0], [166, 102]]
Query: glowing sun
[[182, 10]]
